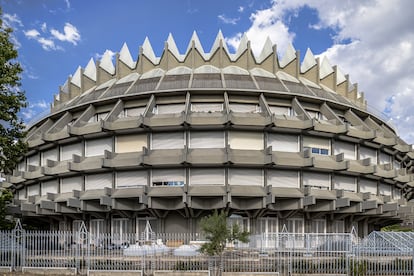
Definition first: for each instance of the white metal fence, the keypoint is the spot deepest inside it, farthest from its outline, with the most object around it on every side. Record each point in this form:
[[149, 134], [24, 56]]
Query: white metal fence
[[282, 253]]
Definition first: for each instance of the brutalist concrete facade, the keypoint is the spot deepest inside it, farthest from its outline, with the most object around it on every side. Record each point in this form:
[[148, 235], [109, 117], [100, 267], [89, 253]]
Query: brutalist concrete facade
[[169, 139]]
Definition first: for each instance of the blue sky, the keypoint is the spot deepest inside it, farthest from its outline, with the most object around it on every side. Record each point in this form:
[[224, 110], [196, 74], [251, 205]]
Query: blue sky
[[54, 37]]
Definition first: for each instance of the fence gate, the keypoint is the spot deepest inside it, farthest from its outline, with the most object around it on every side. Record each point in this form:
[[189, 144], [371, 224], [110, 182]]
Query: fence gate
[[82, 248], [18, 245]]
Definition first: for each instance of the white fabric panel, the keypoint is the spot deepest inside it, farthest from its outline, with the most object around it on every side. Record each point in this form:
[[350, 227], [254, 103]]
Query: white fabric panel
[[368, 186], [397, 165], [246, 140], [207, 139], [101, 116], [134, 112], [98, 146], [22, 194], [131, 179], [347, 183], [70, 183], [250, 177], [168, 177], [207, 107], [396, 193], [283, 142], [130, 143], [385, 189], [21, 166], [384, 158], [51, 186], [33, 190], [169, 140], [280, 110], [315, 142], [51, 154], [33, 160], [365, 152], [68, 150], [207, 177], [235, 107], [98, 181], [317, 180], [283, 178], [169, 108], [348, 149]]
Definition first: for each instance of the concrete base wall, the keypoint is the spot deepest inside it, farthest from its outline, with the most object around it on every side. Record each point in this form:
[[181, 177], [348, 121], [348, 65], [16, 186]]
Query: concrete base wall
[[5, 269], [50, 270], [179, 273], [114, 272]]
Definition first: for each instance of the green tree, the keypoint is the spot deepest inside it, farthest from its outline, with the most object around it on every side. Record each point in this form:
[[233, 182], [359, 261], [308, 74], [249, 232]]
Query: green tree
[[6, 197], [219, 233], [12, 99]]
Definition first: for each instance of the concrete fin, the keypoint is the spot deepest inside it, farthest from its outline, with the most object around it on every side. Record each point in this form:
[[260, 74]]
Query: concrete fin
[[148, 51], [125, 56], [90, 70], [308, 61], [106, 63], [340, 77], [216, 43], [289, 56], [326, 68], [266, 51], [76, 79], [242, 46], [197, 45], [172, 47]]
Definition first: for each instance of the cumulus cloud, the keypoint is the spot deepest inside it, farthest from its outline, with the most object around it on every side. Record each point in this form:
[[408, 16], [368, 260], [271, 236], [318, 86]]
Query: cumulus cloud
[[228, 20], [70, 34], [111, 54], [47, 44], [373, 42], [12, 20]]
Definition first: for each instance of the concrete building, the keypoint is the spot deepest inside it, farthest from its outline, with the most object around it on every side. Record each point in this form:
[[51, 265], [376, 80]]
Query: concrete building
[[168, 139]]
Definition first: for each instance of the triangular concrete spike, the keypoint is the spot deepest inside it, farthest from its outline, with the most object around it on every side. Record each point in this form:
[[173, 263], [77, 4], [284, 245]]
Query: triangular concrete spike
[[148, 51], [172, 46], [125, 56], [308, 61], [76, 78], [90, 70], [197, 43], [106, 63], [340, 77], [216, 43], [242, 45], [267, 50], [290, 54], [325, 69]]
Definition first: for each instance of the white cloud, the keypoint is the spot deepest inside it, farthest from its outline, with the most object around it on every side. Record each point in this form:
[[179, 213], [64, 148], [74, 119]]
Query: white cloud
[[111, 54], [44, 27], [240, 9], [374, 43], [228, 20], [12, 20], [67, 4], [32, 34], [70, 34], [47, 44]]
